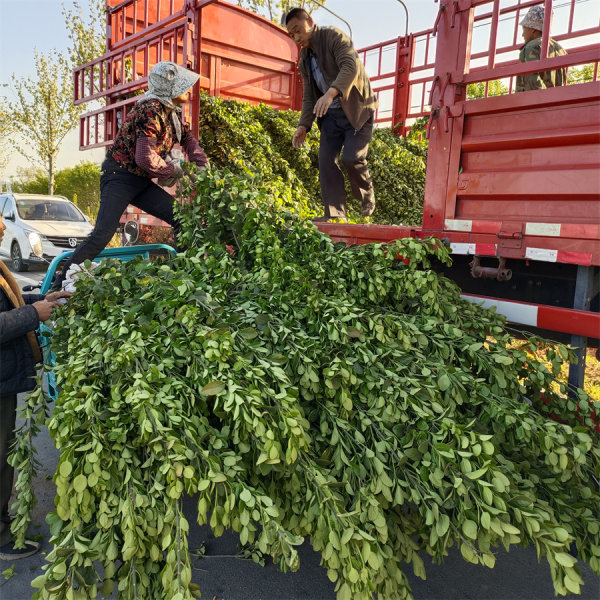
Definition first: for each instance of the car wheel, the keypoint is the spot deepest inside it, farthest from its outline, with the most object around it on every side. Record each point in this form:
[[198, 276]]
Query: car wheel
[[17, 258]]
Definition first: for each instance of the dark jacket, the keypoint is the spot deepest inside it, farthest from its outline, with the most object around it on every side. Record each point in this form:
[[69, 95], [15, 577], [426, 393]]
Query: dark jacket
[[343, 70], [17, 366]]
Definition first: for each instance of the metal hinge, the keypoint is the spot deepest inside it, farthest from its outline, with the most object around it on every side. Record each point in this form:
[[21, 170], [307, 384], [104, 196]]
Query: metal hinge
[[453, 7], [510, 235]]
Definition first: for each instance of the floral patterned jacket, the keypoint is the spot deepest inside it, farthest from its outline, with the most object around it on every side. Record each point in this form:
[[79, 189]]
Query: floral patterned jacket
[[147, 136]]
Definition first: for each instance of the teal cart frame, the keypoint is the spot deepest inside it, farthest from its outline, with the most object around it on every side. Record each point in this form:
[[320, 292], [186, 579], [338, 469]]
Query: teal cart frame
[[44, 333]]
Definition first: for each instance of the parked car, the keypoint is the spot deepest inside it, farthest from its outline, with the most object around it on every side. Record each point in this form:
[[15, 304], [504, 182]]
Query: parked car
[[31, 219]]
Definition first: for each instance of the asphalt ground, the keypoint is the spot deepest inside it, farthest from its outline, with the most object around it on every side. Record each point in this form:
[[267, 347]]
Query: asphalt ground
[[221, 576]]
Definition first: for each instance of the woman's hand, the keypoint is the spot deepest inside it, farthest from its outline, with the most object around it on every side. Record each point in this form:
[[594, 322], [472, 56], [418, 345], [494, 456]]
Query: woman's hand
[[44, 309], [54, 296]]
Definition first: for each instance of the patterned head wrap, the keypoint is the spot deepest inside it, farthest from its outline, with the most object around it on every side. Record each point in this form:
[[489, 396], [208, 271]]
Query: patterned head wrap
[[534, 18], [166, 81]]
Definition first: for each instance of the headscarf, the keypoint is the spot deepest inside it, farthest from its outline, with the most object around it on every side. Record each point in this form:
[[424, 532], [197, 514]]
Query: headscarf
[[166, 81], [534, 19]]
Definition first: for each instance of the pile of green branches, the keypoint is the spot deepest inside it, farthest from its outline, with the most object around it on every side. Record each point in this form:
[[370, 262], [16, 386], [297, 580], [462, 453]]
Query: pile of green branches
[[300, 389], [257, 140]]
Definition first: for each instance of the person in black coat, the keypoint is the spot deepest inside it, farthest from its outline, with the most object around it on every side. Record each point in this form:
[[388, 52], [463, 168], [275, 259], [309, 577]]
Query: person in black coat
[[20, 316]]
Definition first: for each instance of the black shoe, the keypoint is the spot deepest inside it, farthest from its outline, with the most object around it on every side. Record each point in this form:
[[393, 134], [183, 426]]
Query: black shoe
[[367, 209], [9, 552]]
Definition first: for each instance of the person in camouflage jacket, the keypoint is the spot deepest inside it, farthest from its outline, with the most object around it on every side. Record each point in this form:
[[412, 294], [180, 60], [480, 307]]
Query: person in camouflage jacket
[[532, 27]]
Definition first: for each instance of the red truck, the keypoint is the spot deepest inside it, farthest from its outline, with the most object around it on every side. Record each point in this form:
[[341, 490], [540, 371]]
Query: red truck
[[512, 186]]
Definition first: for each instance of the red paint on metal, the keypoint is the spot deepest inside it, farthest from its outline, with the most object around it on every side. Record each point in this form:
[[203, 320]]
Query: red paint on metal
[[577, 322], [580, 231], [364, 234], [565, 320], [485, 249], [486, 226], [574, 258]]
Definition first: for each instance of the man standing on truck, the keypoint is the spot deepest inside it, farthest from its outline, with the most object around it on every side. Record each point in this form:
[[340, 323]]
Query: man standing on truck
[[142, 150], [532, 27], [337, 92]]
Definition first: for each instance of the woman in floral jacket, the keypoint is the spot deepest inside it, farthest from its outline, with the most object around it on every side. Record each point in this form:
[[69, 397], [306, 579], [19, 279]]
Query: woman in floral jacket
[[139, 154]]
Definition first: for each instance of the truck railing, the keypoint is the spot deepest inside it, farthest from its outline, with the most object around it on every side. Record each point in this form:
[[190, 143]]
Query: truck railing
[[495, 57], [401, 85], [129, 19], [404, 85], [125, 70], [190, 34]]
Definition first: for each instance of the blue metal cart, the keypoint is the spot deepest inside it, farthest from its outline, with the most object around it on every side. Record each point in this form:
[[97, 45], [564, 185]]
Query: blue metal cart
[[124, 253]]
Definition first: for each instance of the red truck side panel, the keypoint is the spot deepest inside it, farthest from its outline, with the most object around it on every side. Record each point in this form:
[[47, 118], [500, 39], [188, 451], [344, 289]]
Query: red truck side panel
[[517, 172], [238, 54]]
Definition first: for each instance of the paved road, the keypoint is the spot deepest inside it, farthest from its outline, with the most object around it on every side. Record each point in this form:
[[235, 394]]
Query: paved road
[[516, 576], [32, 276]]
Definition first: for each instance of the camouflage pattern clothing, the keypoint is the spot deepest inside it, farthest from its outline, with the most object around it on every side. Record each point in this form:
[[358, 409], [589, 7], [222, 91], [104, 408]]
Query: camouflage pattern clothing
[[537, 81]]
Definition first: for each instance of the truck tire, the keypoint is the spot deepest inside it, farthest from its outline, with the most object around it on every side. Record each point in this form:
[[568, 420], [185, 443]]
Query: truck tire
[[17, 258]]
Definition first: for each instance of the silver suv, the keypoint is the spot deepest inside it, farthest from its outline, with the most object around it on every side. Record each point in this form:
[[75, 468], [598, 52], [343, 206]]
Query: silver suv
[[31, 219]]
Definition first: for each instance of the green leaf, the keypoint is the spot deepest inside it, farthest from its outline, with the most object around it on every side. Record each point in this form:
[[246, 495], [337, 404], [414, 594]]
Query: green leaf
[[249, 333], [485, 520], [214, 388], [347, 535], [564, 559], [502, 359], [443, 382], [469, 528], [65, 468], [477, 474], [80, 483], [442, 525]]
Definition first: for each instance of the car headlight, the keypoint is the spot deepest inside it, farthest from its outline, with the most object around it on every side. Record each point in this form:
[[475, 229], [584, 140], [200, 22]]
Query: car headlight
[[35, 239]]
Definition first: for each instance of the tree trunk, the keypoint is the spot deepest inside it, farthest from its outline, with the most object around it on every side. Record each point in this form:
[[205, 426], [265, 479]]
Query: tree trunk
[[51, 175]]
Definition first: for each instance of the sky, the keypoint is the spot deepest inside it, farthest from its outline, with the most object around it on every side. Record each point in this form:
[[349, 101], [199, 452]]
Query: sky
[[26, 25]]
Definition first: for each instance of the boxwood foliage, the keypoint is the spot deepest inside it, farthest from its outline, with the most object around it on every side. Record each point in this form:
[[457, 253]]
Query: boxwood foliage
[[300, 389], [257, 139]]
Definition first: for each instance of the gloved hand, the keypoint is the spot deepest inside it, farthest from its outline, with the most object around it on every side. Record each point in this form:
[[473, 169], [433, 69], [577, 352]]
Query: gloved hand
[[172, 179]]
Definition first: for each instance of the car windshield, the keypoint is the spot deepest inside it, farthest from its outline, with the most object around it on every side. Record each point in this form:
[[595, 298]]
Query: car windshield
[[31, 209]]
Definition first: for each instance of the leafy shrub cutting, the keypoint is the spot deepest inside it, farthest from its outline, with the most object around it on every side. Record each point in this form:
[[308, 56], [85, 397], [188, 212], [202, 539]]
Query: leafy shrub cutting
[[298, 390], [257, 140]]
